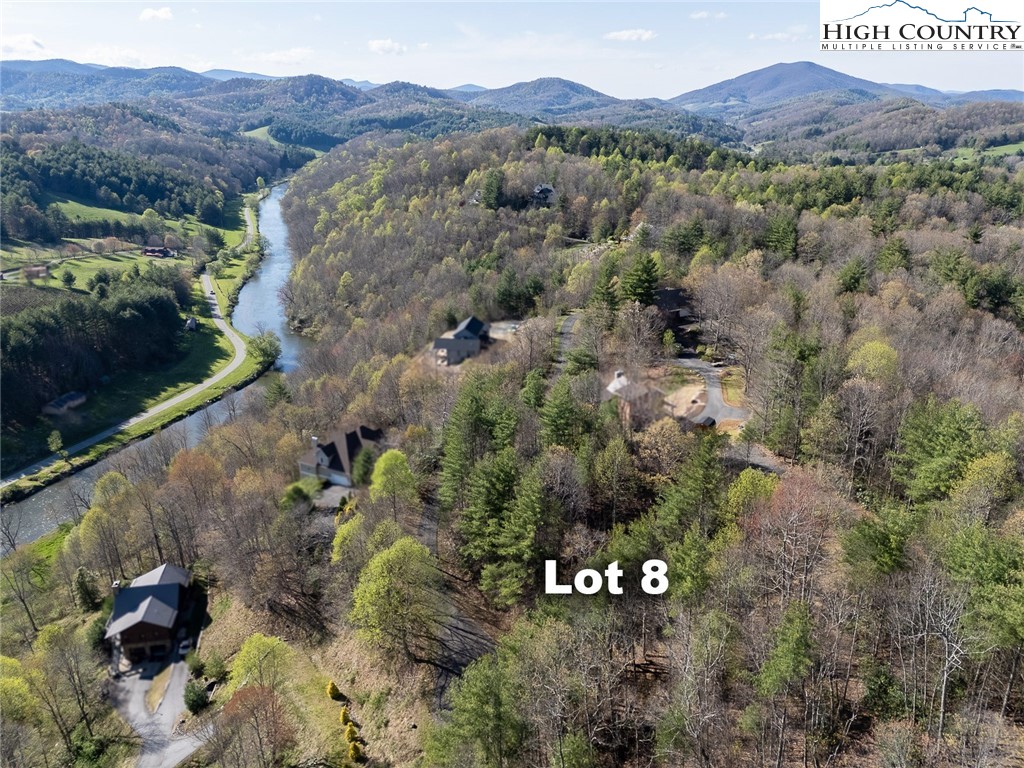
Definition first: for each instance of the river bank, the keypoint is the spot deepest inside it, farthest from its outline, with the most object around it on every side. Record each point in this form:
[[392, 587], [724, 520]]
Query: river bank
[[39, 500]]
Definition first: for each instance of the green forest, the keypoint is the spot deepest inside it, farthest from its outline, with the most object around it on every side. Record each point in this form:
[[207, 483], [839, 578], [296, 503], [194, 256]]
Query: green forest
[[845, 569]]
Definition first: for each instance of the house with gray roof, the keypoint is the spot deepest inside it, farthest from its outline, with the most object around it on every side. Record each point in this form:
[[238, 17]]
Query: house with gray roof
[[468, 338], [145, 615]]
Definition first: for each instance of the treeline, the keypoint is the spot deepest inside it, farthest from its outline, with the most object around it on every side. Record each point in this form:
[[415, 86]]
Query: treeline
[[92, 153], [104, 178], [126, 324]]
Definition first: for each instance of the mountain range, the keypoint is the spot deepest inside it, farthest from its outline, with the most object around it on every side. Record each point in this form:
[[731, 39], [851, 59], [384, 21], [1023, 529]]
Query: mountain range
[[796, 106]]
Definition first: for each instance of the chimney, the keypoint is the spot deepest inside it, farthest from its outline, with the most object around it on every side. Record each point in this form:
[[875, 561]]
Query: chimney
[[316, 441], [116, 587], [619, 374]]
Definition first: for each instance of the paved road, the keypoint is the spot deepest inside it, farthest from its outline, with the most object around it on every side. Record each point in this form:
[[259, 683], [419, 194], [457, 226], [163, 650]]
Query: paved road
[[250, 227], [161, 747], [566, 329], [237, 360], [716, 406]]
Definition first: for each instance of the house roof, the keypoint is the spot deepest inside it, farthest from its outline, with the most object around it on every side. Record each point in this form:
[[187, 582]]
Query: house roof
[[622, 387], [155, 604], [472, 325], [165, 574], [341, 448]]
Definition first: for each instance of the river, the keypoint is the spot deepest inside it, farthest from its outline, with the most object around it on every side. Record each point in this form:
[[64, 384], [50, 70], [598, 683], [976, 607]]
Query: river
[[258, 309]]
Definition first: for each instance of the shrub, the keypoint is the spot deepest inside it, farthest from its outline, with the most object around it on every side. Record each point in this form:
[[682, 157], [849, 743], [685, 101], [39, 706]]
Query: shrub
[[351, 733], [355, 752], [344, 716], [332, 691], [196, 697], [216, 669], [196, 666]]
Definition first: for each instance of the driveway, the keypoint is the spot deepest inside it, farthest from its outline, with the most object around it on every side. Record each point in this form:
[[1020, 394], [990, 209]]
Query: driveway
[[716, 406], [161, 747]]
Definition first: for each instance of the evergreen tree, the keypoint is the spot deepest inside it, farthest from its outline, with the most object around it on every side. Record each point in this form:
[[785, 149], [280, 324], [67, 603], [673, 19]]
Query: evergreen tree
[[696, 495], [639, 283], [560, 417], [491, 489]]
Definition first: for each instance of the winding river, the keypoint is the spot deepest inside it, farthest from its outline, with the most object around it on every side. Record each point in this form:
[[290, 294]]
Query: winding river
[[258, 309]]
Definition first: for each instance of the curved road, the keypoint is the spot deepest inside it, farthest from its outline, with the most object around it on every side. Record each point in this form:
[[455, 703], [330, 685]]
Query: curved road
[[239, 357]]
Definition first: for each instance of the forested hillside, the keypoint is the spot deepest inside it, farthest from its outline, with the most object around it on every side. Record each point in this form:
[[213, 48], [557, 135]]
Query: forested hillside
[[124, 158], [845, 573]]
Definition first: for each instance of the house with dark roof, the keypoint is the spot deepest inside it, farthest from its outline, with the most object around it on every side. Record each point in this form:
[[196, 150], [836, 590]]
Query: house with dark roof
[[331, 459], [145, 615], [468, 338], [543, 195], [64, 403], [638, 403]]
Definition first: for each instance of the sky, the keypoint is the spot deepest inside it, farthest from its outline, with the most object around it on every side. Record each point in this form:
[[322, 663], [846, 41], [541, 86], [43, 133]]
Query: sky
[[627, 50]]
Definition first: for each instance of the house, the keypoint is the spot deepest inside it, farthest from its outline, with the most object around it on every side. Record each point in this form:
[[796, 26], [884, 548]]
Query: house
[[471, 335], [145, 616], [331, 460], [35, 273], [64, 403], [673, 305], [638, 403], [158, 253], [543, 195]]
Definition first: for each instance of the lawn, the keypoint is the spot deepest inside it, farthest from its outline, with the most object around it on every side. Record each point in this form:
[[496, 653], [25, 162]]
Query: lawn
[[16, 253], [79, 211], [733, 386], [263, 134], [1005, 149], [88, 266]]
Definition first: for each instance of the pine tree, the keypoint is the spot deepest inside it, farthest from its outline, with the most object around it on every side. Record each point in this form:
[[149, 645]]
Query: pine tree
[[559, 416], [639, 283]]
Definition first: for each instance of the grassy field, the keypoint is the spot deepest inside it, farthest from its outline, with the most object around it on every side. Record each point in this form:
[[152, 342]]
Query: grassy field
[[733, 386], [86, 267], [1003, 150], [17, 254], [263, 134], [76, 210]]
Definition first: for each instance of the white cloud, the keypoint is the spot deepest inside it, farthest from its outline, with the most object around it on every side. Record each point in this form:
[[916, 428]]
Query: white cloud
[[156, 14], [386, 46], [791, 35], [700, 15], [114, 56], [721, 15], [23, 47], [287, 56], [784, 37], [632, 35]]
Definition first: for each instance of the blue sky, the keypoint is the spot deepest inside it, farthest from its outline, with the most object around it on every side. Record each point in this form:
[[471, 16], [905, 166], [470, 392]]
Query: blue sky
[[628, 50]]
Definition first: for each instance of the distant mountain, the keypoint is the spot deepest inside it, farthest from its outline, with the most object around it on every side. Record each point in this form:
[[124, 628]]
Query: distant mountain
[[554, 100], [49, 66], [31, 87], [549, 96], [468, 88], [932, 96], [774, 85], [231, 74], [362, 85]]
